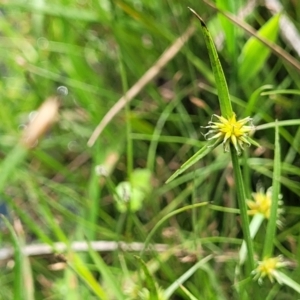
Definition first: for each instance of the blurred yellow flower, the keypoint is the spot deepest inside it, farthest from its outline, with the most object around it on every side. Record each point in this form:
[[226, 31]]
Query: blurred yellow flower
[[262, 203], [268, 267], [231, 131]]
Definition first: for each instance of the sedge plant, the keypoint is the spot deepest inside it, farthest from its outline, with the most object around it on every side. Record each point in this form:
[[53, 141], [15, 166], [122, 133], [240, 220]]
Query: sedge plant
[[233, 134]]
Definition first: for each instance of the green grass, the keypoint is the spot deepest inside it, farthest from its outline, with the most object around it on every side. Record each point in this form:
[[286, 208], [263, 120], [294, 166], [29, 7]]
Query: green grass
[[63, 190]]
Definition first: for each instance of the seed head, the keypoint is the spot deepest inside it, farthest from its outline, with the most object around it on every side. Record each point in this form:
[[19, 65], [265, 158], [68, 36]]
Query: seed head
[[230, 131]]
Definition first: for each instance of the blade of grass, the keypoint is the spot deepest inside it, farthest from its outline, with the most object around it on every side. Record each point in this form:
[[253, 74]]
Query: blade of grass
[[196, 157], [150, 282], [174, 286], [255, 224], [223, 93], [106, 273], [10, 163], [85, 274], [279, 123], [188, 293], [166, 217], [241, 196], [252, 102], [271, 227], [289, 282], [18, 282]]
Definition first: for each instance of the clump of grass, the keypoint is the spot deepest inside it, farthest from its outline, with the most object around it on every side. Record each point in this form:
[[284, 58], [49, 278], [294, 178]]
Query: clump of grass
[[101, 219]]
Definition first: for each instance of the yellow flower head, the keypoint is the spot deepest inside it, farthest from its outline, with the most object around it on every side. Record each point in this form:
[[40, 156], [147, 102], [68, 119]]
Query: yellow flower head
[[262, 203], [268, 267], [231, 131]]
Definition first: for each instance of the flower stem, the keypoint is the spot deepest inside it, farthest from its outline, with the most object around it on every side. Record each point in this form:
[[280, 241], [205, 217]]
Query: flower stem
[[241, 195], [271, 228]]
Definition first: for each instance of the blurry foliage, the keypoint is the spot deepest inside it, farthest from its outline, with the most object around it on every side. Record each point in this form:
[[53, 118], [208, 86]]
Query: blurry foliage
[[54, 193]]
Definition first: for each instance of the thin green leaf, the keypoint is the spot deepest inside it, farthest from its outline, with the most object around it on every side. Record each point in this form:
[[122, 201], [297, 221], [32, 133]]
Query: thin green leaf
[[241, 196], [106, 273], [18, 282], [188, 293], [253, 142], [252, 102], [288, 281], [279, 123], [197, 156], [85, 274], [255, 224], [166, 217], [271, 227], [10, 163], [150, 282], [223, 93], [254, 53], [174, 286], [281, 92]]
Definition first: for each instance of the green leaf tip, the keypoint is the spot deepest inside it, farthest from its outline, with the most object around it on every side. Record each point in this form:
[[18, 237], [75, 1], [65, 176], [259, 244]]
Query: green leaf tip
[[200, 19], [221, 84]]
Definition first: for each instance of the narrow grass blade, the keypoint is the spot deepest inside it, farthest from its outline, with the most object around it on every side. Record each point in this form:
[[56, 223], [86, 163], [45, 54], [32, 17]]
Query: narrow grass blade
[[188, 293], [254, 53], [166, 217], [279, 123], [85, 274], [223, 93], [150, 282], [173, 287], [284, 279], [241, 196], [18, 282], [254, 226], [271, 227], [196, 157], [107, 275], [252, 102], [10, 163]]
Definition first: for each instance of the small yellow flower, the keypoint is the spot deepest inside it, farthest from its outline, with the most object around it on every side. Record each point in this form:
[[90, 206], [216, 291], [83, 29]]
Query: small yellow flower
[[262, 203], [231, 131], [268, 267]]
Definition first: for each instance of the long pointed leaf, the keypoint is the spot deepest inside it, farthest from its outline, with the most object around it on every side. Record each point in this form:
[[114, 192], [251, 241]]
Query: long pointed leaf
[[150, 282], [18, 282], [223, 94], [271, 228], [179, 281], [197, 156]]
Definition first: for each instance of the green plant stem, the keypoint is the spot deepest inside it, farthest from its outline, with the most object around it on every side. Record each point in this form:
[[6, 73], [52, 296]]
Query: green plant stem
[[127, 114], [271, 227], [241, 195]]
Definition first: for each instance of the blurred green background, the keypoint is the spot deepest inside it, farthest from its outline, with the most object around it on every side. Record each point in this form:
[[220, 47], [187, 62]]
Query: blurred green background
[[62, 190]]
